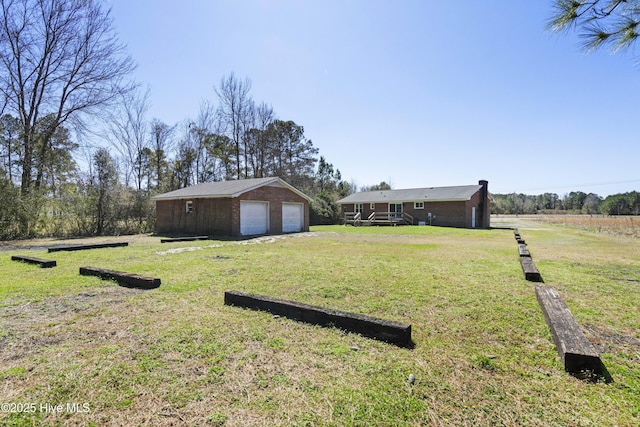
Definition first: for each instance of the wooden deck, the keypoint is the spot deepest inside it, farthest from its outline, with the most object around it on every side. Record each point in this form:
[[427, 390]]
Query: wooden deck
[[378, 218]]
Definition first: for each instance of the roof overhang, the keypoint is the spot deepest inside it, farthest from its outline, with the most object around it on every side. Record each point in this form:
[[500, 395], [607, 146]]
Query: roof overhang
[[462, 193], [339, 202], [274, 182]]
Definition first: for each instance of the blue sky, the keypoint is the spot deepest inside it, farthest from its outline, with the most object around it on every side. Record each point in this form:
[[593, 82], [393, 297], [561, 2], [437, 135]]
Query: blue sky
[[420, 93]]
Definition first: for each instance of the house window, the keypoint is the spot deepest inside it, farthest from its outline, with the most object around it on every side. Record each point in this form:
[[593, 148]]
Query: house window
[[395, 207], [418, 205], [372, 206], [189, 206], [357, 207]]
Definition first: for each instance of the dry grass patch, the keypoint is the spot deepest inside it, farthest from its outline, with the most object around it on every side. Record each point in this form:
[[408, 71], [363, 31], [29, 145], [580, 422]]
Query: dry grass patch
[[628, 226]]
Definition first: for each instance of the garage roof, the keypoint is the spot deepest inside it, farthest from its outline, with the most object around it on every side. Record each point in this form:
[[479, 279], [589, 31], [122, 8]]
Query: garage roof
[[222, 189], [432, 194]]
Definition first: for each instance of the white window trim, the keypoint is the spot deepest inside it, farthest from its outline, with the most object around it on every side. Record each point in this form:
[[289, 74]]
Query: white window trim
[[372, 206], [355, 207], [416, 206], [189, 206]]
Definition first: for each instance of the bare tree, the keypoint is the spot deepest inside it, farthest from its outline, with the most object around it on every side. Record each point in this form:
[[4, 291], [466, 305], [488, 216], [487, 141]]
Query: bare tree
[[128, 128], [248, 122], [235, 107], [259, 142], [58, 58], [205, 133], [183, 166]]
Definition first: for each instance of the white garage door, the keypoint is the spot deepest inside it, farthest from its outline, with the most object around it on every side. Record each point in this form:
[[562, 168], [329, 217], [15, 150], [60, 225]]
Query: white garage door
[[292, 217], [254, 218]]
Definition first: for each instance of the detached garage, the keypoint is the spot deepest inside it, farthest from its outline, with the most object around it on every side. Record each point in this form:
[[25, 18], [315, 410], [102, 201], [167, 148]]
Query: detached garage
[[233, 208]]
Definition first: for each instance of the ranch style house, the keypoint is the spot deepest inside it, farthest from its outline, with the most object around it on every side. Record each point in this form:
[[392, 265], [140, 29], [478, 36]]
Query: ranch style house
[[233, 208], [465, 206]]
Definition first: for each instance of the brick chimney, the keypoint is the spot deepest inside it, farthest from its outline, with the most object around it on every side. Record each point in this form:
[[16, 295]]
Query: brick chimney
[[484, 207]]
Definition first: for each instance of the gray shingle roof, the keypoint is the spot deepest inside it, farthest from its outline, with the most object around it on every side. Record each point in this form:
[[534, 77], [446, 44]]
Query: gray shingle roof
[[226, 189], [433, 194]]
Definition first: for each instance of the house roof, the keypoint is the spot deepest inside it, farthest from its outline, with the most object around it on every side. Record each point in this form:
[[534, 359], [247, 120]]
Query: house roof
[[223, 189], [432, 194]]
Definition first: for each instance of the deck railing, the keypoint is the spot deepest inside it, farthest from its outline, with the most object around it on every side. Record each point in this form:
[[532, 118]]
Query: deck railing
[[408, 219], [355, 218]]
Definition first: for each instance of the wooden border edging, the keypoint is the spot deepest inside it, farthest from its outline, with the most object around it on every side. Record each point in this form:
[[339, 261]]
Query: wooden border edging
[[83, 247], [44, 263], [128, 280], [183, 239], [529, 269], [576, 352], [371, 327], [523, 250]]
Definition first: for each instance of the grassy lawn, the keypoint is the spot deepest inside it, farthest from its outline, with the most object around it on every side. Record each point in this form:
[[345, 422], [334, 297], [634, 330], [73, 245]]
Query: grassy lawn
[[177, 356]]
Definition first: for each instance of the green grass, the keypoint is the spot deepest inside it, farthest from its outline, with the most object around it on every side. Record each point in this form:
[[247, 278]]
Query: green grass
[[177, 356]]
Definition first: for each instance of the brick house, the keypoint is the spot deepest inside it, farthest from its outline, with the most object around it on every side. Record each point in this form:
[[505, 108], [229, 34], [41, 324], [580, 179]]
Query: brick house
[[465, 206], [233, 208]]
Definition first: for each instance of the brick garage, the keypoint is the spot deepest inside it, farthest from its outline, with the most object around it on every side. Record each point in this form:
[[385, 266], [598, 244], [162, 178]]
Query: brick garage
[[465, 206], [233, 208]]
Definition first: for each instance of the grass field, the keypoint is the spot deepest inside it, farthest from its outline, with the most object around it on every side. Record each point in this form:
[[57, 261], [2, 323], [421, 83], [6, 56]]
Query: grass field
[[176, 356], [628, 226]]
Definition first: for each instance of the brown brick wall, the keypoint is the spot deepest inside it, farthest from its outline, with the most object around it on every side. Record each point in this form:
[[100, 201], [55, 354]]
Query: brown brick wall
[[447, 214], [209, 217]]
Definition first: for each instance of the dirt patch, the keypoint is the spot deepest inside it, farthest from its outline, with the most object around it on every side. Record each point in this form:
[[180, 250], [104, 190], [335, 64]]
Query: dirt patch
[[43, 244], [32, 327], [254, 241], [607, 341]]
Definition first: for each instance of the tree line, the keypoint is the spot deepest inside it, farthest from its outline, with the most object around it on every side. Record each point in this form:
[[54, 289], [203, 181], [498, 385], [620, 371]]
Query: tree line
[[142, 157], [575, 202], [64, 84]]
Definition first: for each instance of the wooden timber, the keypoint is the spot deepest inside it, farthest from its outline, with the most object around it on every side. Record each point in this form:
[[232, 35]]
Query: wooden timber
[[183, 239], [383, 330], [44, 263], [83, 247], [576, 352], [529, 269], [128, 280], [523, 250]]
